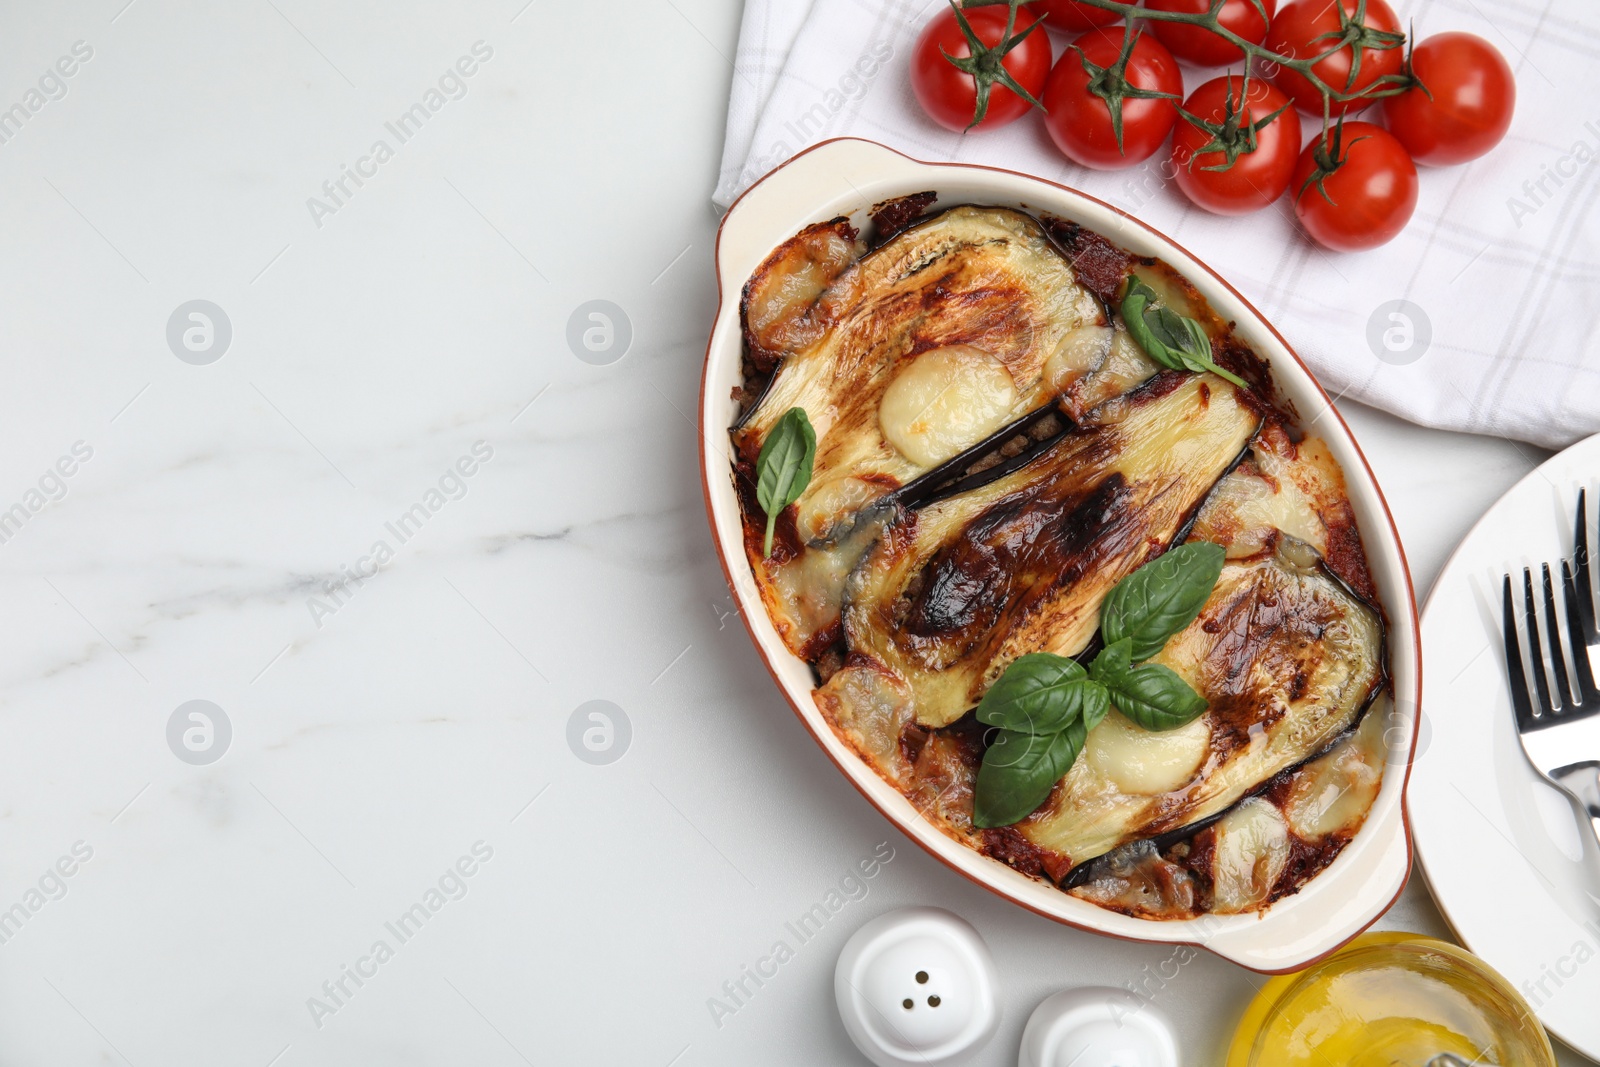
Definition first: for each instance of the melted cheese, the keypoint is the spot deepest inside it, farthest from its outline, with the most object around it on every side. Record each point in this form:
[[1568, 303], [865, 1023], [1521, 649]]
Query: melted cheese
[[1252, 848], [1080, 352], [1144, 762], [1287, 488], [1253, 509], [818, 516], [803, 593], [945, 401], [869, 707], [1122, 368], [1334, 793]]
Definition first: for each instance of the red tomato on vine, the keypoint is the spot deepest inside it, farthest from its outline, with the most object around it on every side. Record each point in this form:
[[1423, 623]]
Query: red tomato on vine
[[1247, 18], [1464, 103], [1368, 47], [981, 67], [1355, 187], [1111, 100], [1252, 131]]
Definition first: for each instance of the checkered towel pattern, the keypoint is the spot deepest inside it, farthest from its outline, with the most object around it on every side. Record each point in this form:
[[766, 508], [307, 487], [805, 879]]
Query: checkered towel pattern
[[1481, 316]]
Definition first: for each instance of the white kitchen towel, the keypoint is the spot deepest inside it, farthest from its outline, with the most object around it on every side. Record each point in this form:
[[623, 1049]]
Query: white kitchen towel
[[1481, 316]]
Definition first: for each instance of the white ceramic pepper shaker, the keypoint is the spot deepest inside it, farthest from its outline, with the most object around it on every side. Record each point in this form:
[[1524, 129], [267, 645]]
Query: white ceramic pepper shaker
[[917, 987]]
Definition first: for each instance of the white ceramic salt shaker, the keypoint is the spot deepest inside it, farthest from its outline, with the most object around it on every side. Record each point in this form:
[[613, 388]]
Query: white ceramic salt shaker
[[1097, 1027]]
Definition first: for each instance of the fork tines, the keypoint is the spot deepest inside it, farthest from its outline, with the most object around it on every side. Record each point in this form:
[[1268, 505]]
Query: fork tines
[[1541, 706], [1580, 558]]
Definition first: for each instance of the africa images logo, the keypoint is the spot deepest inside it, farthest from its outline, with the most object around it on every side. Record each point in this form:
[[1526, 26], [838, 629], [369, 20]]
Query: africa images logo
[[452, 485], [451, 85], [853, 887], [451, 885]]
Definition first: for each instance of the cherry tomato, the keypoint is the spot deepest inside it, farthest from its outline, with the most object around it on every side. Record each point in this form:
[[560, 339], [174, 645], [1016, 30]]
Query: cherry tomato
[[1202, 47], [1072, 17], [1080, 122], [1295, 32], [1370, 193], [950, 95], [1258, 177], [1472, 96]]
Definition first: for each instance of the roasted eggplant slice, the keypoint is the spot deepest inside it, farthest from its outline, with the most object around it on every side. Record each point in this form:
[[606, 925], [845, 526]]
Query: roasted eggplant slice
[[1287, 658], [1285, 487], [947, 598], [1265, 847], [779, 307], [930, 344], [1280, 488], [1094, 365], [1139, 880], [925, 346]]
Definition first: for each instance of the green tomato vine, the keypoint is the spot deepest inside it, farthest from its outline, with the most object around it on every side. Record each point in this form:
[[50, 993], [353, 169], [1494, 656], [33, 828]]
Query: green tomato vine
[[1233, 135]]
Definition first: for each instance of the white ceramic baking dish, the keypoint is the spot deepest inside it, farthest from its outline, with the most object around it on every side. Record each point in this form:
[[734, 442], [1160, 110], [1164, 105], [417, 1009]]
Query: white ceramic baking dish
[[846, 177]]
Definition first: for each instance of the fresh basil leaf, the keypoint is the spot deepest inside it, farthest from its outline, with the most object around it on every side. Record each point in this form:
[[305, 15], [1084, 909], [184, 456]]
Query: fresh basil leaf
[[1166, 328], [1096, 702], [1113, 661], [1039, 693], [1155, 697], [1195, 348], [783, 469], [1136, 300], [1175, 341], [1018, 772], [1155, 602]]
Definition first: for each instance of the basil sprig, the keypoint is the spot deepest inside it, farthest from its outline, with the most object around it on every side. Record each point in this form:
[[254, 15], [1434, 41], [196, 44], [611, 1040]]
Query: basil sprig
[[1041, 694], [783, 469], [1175, 341], [1160, 598], [1151, 695], [1045, 705]]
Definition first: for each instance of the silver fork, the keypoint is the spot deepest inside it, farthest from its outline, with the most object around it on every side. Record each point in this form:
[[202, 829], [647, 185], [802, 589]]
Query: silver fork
[[1559, 728]]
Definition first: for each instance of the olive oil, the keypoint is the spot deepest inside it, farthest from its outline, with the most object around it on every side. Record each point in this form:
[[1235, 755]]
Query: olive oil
[[1391, 1000]]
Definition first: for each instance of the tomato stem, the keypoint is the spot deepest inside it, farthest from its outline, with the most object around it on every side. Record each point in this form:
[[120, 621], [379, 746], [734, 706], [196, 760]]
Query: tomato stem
[[1329, 152], [1353, 33], [986, 64], [1410, 71], [1232, 136], [1111, 83]]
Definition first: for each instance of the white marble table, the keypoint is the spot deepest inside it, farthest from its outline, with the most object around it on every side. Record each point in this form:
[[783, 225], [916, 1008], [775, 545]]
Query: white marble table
[[397, 532]]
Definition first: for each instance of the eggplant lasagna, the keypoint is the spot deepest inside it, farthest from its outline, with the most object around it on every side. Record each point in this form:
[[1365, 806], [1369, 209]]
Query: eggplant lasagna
[[994, 451]]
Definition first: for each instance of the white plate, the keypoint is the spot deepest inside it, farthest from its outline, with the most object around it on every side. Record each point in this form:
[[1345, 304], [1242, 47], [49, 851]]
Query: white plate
[[1503, 852], [845, 177]]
